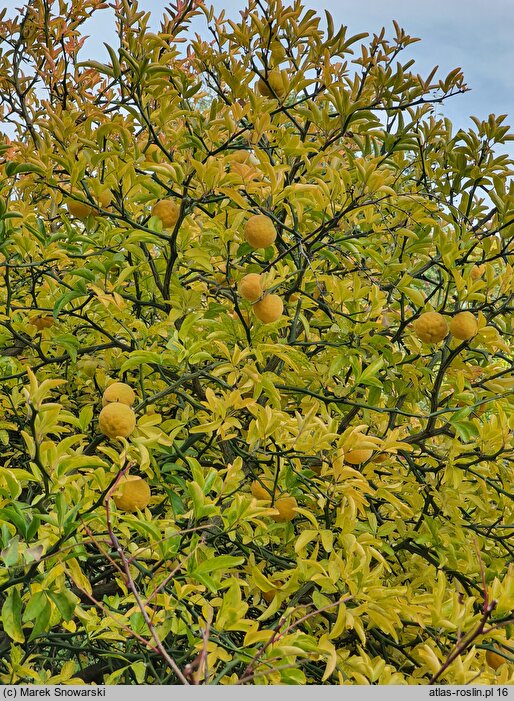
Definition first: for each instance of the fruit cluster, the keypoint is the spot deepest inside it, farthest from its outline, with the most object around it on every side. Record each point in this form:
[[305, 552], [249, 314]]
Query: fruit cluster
[[432, 327], [118, 419], [260, 232], [266, 307]]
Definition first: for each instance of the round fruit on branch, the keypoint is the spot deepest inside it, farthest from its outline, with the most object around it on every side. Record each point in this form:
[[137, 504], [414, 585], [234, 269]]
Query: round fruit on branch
[[268, 309], [286, 507], [358, 456], [119, 392], [116, 420], [132, 494], [464, 326], [168, 212], [431, 327], [260, 231], [250, 287]]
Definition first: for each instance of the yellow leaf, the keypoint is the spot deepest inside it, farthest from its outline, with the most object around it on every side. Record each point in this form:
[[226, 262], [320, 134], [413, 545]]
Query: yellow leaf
[[78, 577]]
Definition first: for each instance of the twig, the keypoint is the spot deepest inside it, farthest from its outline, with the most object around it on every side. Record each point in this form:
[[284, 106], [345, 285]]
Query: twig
[[131, 585], [276, 635], [174, 571], [487, 610], [193, 670]]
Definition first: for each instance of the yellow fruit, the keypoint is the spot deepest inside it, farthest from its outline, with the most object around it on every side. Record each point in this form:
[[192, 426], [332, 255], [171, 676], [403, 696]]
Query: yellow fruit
[[431, 327], [221, 274], [477, 271], [82, 210], [463, 326], [260, 231], [286, 509], [132, 494], [276, 84], [42, 322], [79, 210], [269, 309], [258, 490], [116, 419], [358, 456], [119, 392], [494, 660], [168, 212], [250, 287]]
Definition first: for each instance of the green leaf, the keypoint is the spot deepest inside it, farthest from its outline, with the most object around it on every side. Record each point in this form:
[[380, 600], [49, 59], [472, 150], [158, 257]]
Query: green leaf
[[65, 601], [42, 620], [368, 375], [70, 520], [207, 581], [466, 430], [12, 484], [222, 562], [100, 67], [84, 274], [13, 168], [66, 299], [12, 514], [60, 508], [69, 342], [116, 68], [10, 552], [32, 527], [292, 676], [36, 604], [139, 669], [11, 616], [141, 358]]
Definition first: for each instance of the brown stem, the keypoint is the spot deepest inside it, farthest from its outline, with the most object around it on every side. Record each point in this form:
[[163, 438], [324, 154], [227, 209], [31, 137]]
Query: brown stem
[[131, 585], [276, 635]]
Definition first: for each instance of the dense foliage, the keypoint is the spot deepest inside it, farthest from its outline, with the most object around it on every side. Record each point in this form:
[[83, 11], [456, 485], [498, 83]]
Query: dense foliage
[[384, 441]]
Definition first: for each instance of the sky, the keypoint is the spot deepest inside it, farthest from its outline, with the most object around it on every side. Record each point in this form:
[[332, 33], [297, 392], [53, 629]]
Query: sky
[[475, 35]]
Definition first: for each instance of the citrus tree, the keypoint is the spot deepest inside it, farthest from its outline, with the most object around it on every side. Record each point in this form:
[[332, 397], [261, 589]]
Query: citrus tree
[[256, 391]]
